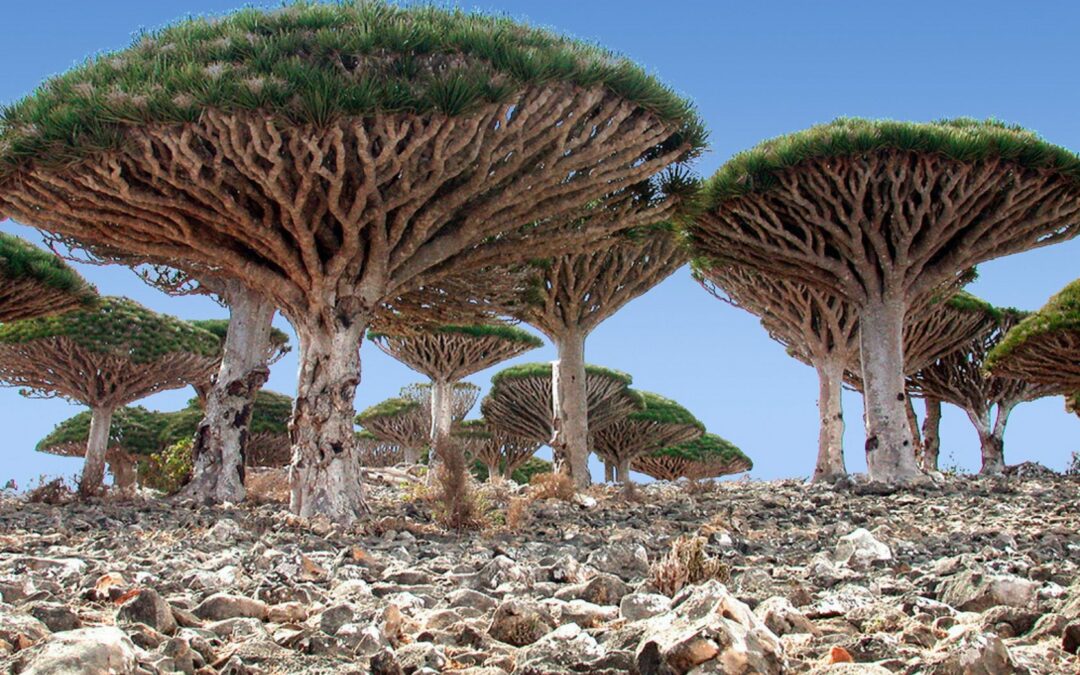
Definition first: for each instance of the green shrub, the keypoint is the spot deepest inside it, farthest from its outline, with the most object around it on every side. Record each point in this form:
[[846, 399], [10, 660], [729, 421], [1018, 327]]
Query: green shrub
[[168, 470]]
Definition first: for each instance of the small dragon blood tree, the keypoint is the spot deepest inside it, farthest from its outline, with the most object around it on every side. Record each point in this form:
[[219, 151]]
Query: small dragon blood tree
[[661, 423], [266, 435], [446, 354], [1044, 348], [578, 291], [821, 329], [401, 421], [104, 358], [501, 454], [375, 452], [334, 156], [520, 401], [35, 283], [708, 456], [959, 377], [135, 432], [882, 214]]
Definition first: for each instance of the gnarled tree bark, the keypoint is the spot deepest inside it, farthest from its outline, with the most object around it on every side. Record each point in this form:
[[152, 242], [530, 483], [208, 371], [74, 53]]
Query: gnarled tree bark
[[830, 459], [931, 434]]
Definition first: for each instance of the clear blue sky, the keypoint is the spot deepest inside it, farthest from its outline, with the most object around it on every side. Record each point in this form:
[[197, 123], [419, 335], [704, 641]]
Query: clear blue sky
[[756, 70]]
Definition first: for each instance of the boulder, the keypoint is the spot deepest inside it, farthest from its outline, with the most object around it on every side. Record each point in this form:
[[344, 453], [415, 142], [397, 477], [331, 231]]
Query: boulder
[[625, 559], [57, 616], [21, 630], [782, 618], [520, 622], [637, 606], [147, 607], [976, 591], [103, 650], [969, 651], [707, 624], [566, 649], [225, 606], [860, 548]]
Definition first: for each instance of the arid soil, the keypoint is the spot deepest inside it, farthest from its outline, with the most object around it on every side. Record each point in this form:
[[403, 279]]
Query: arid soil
[[957, 575]]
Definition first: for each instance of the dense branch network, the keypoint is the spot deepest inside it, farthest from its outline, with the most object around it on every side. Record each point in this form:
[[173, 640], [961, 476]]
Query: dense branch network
[[1044, 347], [501, 454], [659, 424], [709, 456]]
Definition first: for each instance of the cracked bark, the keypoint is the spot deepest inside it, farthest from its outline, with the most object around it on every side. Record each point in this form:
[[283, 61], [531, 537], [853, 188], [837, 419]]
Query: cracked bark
[[830, 459], [570, 442], [931, 432]]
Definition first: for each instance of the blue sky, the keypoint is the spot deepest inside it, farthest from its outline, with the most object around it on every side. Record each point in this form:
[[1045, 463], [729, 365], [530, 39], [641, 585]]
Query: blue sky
[[755, 70]]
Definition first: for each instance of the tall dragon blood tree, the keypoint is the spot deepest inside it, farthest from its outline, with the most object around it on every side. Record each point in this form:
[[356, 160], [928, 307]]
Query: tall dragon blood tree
[[881, 214], [959, 378], [405, 420], [660, 423], [104, 358], [449, 353], [708, 456], [1044, 348], [334, 156], [35, 283], [520, 401], [578, 291], [134, 433], [501, 454], [821, 329]]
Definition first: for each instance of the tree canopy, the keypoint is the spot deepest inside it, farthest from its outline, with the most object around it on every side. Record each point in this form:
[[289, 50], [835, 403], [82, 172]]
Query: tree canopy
[[708, 456], [962, 139], [134, 431], [313, 62], [1045, 346], [36, 283]]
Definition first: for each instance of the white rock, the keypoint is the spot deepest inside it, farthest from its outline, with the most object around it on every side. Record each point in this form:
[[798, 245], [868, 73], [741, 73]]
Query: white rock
[[86, 651], [567, 645], [637, 606], [782, 618], [860, 548]]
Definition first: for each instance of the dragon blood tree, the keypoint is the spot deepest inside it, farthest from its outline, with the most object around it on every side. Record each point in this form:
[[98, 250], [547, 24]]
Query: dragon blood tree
[[400, 421], [520, 401], [335, 156], [274, 350], [881, 214], [1044, 348], [104, 358], [501, 454], [462, 397], [661, 423], [34, 283], [375, 452], [134, 432], [578, 291], [708, 456], [959, 378], [446, 354]]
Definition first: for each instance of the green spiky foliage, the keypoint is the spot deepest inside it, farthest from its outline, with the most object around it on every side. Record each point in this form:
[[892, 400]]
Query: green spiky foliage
[[1060, 315], [27, 267], [523, 475], [391, 407], [661, 410], [313, 63], [117, 326], [279, 340], [509, 333], [134, 431], [709, 456], [544, 370], [961, 139]]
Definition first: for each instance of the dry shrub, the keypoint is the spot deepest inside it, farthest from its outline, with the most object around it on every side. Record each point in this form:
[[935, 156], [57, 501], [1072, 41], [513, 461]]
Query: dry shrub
[[556, 485], [460, 507], [517, 513], [687, 563], [54, 492]]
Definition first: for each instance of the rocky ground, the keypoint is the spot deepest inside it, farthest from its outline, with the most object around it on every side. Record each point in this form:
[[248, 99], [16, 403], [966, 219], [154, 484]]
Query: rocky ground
[[957, 575]]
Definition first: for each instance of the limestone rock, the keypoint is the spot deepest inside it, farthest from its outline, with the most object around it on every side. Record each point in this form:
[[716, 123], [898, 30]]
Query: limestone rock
[[225, 606], [86, 651]]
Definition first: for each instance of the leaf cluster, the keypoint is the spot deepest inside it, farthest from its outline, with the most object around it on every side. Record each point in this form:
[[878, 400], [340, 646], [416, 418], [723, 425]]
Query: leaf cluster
[[21, 260], [661, 410], [312, 63], [134, 430], [526, 370], [707, 448], [120, 327], [391, 407], [1061, 313]]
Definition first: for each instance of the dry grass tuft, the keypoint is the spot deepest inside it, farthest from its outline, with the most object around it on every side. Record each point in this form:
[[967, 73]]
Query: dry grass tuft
[[686, 564], [555, 485], [460, 507]]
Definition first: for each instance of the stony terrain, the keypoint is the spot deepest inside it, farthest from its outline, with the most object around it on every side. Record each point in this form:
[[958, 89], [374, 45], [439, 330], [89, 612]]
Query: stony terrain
[[958, 575]]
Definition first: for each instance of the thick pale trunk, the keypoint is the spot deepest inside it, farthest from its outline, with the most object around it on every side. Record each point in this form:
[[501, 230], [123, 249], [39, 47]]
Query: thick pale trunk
[[442, 419], [992, 439], [412, 456], [890, 447], [218, 450], [570, 444], [324, 477], [122, 468], [913, 427], [609, 472], [97, 445], [931, 434], [622, 472], [830, 459], [494, 475]]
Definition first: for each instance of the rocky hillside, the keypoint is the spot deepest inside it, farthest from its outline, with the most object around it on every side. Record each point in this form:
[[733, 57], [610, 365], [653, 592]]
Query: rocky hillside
[[961, 575]]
